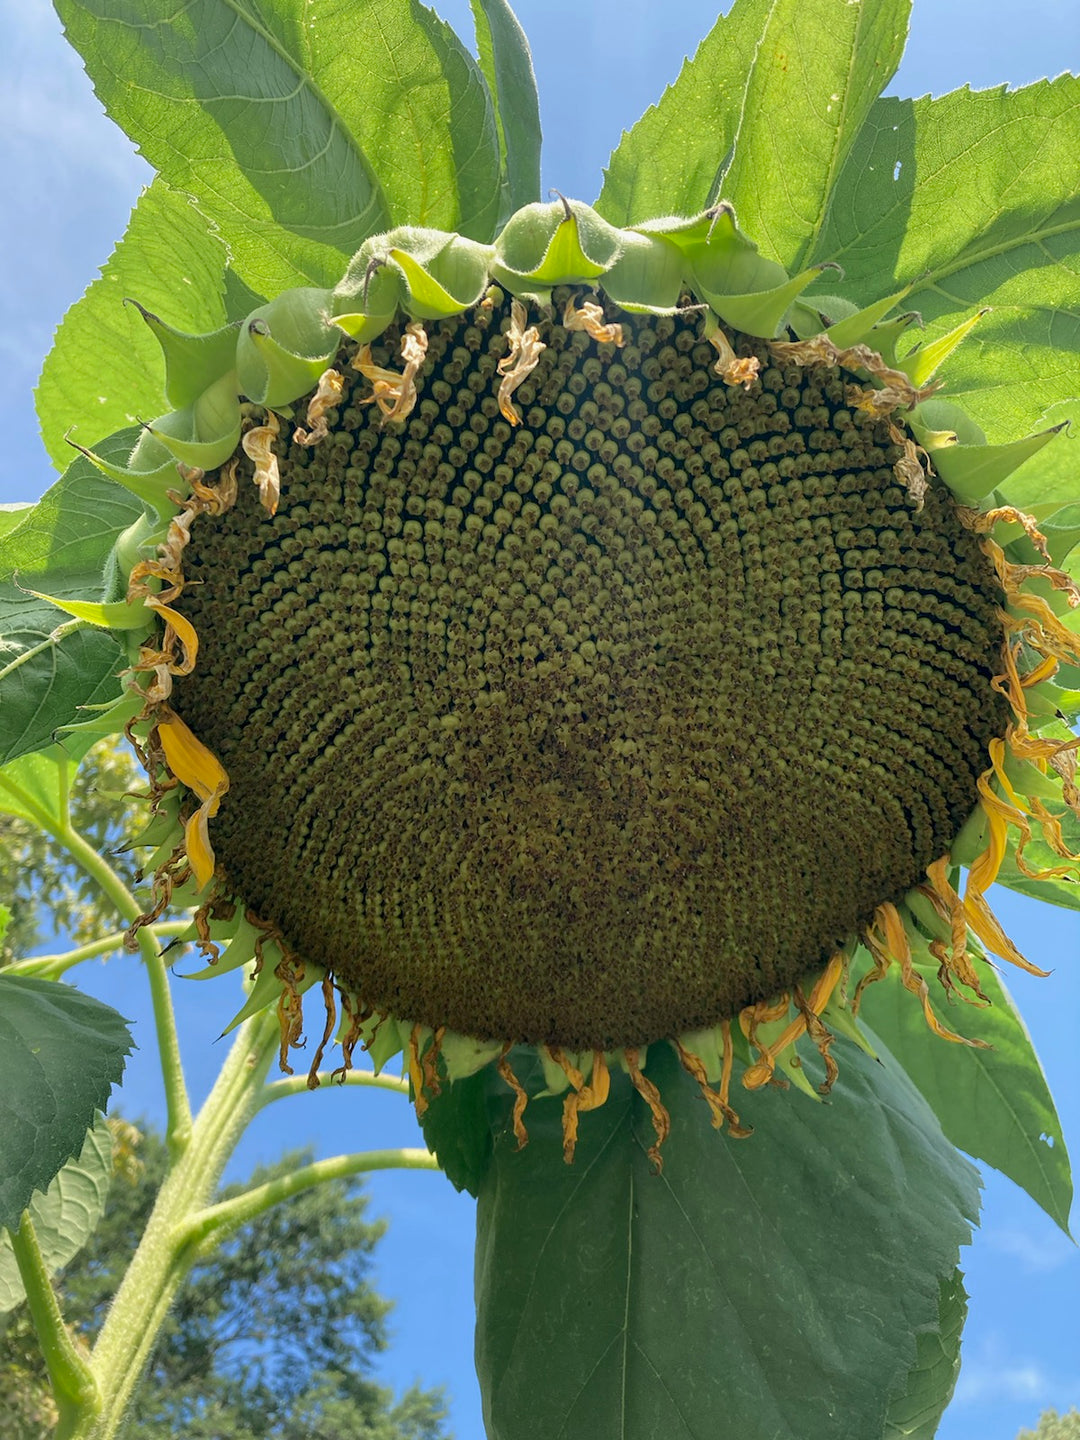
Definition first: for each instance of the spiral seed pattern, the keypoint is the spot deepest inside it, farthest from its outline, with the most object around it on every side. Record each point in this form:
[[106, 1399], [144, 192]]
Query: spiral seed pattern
[[596, 729]]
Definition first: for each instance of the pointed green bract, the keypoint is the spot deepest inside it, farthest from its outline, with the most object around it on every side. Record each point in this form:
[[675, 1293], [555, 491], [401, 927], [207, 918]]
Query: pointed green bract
[[104, 369], [282, 348], [819, 67]]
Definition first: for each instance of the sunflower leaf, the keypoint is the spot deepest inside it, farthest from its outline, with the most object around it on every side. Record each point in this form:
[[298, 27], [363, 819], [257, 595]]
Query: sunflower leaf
[[105, 369], [613, 1299], [994, 1104], [818, 70], [50, 668], [65, 1215], [300, 133], [668, 162], [916, 1413], [912, 206], [507, 67], [455, 1130], [61, 1053]]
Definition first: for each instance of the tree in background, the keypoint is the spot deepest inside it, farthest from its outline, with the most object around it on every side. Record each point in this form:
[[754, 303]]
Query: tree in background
[[1053, 1426], [234, 1358], [38, 883]]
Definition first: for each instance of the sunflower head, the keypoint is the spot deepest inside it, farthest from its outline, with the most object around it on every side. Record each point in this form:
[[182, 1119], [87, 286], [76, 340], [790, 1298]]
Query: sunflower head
[[586, 641], [606, 652]]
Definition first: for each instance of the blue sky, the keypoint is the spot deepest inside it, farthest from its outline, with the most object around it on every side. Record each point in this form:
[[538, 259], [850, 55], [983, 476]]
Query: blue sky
[[70, 180]]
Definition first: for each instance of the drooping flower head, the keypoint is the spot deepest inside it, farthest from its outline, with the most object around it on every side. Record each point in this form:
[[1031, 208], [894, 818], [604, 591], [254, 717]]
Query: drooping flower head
[[586, 641]]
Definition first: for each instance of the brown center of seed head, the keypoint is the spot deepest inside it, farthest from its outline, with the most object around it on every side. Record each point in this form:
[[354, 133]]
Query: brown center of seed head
[[595, 729]]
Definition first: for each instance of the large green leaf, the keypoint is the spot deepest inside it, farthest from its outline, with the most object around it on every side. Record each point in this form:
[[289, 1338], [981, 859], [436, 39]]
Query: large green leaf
[[300, 130], [507, 66], [915, 1413], [995, 1104], [668, 162], [766, 1287], [65, 1215], [972, 198], [105, 370], [60, 1055], [51, 666], [820, 66]]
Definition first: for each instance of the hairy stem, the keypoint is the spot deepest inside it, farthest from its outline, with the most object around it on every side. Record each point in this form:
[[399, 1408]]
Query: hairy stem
[[298, 1084], [51, 967], [73, 1381], [165, 1255], [210, 1226]]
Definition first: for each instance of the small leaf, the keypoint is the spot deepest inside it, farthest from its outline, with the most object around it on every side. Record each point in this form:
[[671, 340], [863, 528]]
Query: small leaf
[[972, 199], [456, 1131], [994, 1104], [818, 69], [51, 668], [66, 1215], [773, 1285], [61, 1053], [35, 787], [105, 369], [668, 163], [507, 67], [916, 1413]]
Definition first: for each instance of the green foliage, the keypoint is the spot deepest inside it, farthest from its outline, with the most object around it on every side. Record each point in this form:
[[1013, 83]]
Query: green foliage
[[300, 133], [814, 77], [61, 1053], [51, 669], [669, 162], [995, 1103], [611, 1299], [916, 1412], [37, 881], [971, 198], [271, 1338], [1053, 1426], [817, 1261], [170, 262], [65, 1215], [507, 68]]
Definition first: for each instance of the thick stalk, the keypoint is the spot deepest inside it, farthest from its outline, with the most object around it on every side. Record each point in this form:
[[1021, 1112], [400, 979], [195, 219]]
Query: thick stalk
[[73, 1383], [165, 1255]]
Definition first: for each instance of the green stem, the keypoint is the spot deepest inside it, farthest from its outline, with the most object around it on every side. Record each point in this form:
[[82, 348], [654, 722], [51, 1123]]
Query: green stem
[[207, 1228], [165, 1254], [178, 1110], [74, 1385], [298, 1084], [51, 967]]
